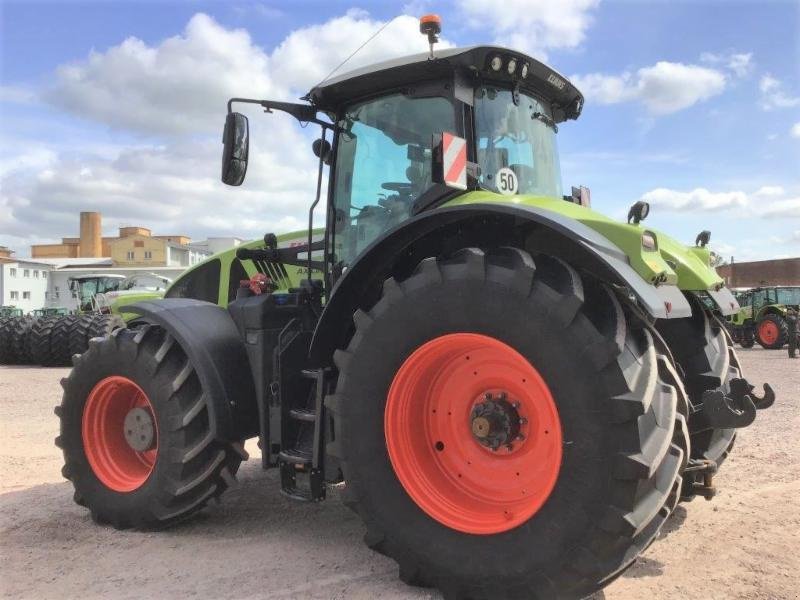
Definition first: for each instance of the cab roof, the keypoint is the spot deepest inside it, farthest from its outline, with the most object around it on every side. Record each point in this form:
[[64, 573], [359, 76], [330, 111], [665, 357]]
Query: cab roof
[[472, 62]]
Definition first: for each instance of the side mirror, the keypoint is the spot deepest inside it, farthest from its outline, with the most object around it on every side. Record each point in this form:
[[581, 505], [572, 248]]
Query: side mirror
[[236, 141], [323, 148]]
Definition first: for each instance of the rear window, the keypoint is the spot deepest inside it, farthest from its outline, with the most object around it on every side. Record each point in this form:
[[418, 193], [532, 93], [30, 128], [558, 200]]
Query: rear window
[[201, 283], [238, 274]]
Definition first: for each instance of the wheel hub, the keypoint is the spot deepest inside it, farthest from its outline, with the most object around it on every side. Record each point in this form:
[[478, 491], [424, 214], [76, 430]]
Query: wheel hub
[[119, 433], [473, 433], [495, 422], [140, 429]]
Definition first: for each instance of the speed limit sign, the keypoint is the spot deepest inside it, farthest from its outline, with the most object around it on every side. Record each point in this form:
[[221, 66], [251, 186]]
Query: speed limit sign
[[507, 182]]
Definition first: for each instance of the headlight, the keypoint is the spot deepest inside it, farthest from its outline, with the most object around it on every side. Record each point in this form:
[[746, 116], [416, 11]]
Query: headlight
[[524, 71], [512, 66], [496, 63]]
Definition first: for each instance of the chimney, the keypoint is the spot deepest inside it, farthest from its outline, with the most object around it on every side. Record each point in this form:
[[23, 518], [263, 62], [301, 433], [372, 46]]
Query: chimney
[[91, 244]]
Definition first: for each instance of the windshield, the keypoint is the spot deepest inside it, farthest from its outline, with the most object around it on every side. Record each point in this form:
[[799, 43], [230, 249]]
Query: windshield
[[383, 164], [789, 296], [519, 138]]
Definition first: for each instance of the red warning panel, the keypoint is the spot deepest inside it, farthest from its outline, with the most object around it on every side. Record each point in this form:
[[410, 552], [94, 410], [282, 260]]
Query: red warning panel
[[454, 161]]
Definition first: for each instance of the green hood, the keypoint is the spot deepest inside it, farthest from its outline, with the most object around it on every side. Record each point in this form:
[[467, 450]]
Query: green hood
[[672, 262]]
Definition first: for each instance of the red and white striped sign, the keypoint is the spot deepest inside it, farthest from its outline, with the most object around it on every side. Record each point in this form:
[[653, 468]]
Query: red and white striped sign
[[454, 161]]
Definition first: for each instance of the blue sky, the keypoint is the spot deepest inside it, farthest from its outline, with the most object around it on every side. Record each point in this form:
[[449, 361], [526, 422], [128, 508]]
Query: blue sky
[[117, 107]]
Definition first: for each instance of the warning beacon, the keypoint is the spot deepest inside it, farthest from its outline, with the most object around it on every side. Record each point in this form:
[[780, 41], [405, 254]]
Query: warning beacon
[[431, 25]]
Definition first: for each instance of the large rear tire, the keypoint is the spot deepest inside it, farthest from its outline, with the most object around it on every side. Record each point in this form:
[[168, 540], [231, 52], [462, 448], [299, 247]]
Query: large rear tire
[[21, 339], [41, 338], [704, 351], [79, 334], [59, 340], [135, 432], [590, 513], [7, 354]]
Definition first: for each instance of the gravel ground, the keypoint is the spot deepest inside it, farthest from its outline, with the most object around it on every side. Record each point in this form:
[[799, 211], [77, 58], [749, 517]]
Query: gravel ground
[[744, 544]]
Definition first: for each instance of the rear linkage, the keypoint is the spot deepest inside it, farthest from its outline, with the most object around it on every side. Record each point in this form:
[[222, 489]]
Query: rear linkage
[[718, 410], [732, 411]]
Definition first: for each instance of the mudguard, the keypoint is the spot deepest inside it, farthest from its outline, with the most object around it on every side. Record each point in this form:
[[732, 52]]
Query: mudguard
[[208, 335], [376, 261]]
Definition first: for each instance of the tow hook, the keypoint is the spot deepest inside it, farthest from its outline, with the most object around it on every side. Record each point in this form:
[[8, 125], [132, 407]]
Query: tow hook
[[704, 470], [733, 410], [740, 387]]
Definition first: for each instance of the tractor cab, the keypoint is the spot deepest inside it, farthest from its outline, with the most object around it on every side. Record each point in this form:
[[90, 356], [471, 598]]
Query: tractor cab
[[407, 135], [85, 287]]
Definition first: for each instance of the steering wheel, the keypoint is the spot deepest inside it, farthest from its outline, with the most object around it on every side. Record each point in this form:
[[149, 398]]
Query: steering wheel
[[403, 187]]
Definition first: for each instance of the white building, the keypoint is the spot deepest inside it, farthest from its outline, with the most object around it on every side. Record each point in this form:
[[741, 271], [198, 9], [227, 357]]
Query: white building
[[24, 283], [185, 256], [216, 244]]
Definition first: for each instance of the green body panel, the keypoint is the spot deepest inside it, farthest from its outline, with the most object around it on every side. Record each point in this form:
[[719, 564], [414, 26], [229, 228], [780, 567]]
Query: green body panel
[[672, 263], [227, 257], [118, 306]]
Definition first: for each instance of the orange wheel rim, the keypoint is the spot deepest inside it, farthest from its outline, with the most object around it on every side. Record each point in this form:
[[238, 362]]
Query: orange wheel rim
[[473, 433], [768, 331], [117, 464]]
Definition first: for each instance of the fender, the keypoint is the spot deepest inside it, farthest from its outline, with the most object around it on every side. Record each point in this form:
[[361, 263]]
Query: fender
[[385, 257], [208, 336]]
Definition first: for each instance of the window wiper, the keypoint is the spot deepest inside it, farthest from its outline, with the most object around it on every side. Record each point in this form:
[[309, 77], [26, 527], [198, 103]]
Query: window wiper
[[546, 120]]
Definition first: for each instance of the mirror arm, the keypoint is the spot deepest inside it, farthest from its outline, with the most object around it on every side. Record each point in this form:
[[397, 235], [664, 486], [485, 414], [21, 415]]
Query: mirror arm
[[304, 113], [314, 205]]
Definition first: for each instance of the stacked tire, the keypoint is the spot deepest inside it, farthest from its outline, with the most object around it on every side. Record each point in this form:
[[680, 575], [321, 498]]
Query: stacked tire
[[51, 341]]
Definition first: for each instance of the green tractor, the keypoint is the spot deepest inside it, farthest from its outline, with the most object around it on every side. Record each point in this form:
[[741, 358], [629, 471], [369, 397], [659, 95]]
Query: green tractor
[[10, 311], [762, 316], [59, 311], [510, 389]]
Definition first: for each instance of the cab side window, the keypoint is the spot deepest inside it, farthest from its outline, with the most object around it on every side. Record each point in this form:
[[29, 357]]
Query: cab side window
[[201, 283]]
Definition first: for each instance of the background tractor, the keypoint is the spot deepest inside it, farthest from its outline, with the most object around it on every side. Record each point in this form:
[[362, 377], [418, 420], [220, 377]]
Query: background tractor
[[762, 317], [51, 336], [515, 390]]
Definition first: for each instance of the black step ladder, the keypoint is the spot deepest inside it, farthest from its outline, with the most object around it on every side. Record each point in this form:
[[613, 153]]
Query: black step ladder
[[305, 460]]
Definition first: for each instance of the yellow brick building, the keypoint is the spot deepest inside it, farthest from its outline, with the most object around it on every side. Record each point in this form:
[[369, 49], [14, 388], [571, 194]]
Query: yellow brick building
[[133, 247]]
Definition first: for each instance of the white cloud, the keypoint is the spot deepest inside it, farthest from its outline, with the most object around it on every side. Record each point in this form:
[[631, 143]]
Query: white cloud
[[663, 88], [766, 202], [175, 92], [774, 95], [179, 86], [307, 55], [739, 63], [696, 199], [170, 187], [795, 130], [16, 94], [33, 158], [533, 26], [770, 191], [182, 84]]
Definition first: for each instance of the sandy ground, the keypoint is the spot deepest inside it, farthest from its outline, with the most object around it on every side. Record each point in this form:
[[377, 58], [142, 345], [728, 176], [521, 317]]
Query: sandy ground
[[744, 544]]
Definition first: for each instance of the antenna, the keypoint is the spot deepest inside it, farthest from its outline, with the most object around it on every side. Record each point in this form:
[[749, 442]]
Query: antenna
[[356, 51], [431, 25]]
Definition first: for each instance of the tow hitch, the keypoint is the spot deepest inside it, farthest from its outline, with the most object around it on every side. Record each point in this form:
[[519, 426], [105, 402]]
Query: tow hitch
[[733, 410]]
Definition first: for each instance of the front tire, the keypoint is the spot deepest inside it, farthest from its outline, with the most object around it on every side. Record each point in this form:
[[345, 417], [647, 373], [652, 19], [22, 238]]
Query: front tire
[[615, 482], [140, 381]]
